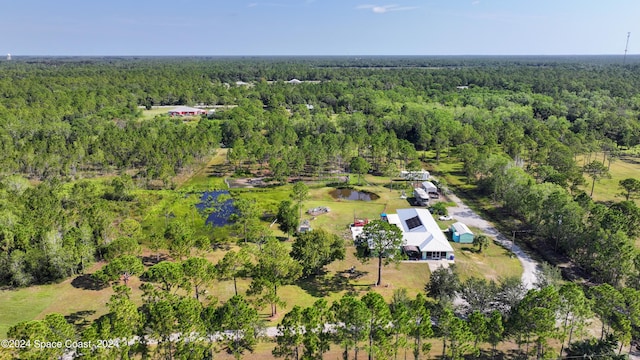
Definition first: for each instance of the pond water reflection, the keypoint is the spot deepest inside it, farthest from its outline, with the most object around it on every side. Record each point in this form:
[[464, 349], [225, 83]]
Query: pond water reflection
[[219, 209], [352, 194]]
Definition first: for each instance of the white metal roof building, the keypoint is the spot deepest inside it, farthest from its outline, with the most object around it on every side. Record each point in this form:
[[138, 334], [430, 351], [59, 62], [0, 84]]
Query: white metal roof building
[[461, 228], [420, 229]]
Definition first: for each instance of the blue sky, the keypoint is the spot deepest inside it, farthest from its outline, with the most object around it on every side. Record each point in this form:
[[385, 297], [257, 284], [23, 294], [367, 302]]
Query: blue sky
[[319, 27]]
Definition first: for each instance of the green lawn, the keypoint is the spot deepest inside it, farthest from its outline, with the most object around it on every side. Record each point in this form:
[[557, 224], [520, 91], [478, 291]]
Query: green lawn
[[23, 304], [150, 114], [205, 178], [334, 283], [66, 298], [493, 263], [627, 166]]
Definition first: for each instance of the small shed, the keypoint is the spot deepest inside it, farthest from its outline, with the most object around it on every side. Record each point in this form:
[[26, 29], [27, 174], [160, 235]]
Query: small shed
[[460, 233]]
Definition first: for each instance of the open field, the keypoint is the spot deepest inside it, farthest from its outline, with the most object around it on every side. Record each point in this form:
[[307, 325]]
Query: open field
[[334, 283], [70, 298], [205, 179], [493, 263], [150, 114], [608, 189]]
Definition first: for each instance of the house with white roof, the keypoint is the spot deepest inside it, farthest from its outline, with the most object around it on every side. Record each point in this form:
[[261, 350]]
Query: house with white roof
[[421, 233]]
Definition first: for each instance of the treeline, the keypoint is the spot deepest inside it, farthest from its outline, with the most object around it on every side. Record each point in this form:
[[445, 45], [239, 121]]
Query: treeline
[[598, 237], [58, 115], [546, 321], [484, 316], [82, 147], [51, 231], [54, 230], [517, 125]]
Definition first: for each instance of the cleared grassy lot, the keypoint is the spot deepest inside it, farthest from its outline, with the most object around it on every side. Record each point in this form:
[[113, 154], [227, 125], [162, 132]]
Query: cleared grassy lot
[[628, 166], [70, 298], [206, 178], [150, 114], [493, 263]]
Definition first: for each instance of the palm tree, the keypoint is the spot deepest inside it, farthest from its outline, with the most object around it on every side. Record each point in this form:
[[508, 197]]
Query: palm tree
[[481, 242]]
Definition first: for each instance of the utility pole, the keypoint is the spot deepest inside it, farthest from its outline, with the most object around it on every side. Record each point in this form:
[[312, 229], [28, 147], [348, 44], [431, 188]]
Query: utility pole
[[624, 59]]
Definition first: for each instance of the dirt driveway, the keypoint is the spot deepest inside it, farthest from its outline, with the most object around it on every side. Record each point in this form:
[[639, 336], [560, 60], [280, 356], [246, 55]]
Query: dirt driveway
[[464, 214]]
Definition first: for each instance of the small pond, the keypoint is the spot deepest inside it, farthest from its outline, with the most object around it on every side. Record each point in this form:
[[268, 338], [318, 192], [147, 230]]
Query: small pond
[[219, 211], [352, 194]]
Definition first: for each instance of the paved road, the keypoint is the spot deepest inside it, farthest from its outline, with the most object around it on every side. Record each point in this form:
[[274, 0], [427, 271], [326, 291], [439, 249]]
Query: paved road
[[464, 214]]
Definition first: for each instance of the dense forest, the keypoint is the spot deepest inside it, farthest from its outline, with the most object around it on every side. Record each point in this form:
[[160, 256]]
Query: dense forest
[[517, 124]]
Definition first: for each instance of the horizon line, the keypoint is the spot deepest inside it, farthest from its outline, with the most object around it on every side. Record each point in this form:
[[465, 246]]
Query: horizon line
[[307, 55]]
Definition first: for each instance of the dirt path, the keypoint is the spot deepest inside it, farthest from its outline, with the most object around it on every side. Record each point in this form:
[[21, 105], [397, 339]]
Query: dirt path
[[463, 213]]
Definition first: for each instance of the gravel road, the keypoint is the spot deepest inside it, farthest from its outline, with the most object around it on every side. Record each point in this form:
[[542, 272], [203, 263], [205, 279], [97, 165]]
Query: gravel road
[[464, 214]]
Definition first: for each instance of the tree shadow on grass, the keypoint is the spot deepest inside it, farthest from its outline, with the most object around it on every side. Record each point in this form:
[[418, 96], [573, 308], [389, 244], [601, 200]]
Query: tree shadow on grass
[[499, 355], [87, 282], [485, 354], [473, 250], [512, 354], [321, 286], [153, 259], [79, 319]]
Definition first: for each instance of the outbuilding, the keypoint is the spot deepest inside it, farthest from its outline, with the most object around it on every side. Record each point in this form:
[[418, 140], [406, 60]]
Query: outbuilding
[[460, 233], [421, 234]]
